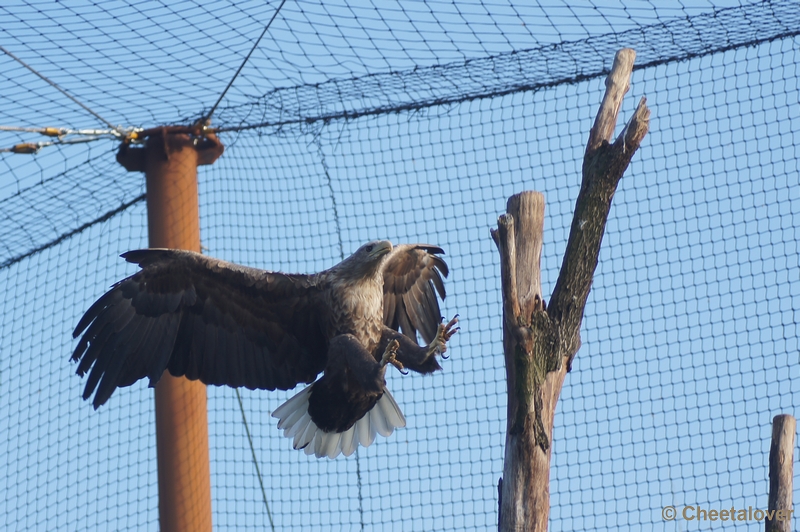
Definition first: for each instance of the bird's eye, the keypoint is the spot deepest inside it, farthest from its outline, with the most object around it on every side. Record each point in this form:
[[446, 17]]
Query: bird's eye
[[368, 248]]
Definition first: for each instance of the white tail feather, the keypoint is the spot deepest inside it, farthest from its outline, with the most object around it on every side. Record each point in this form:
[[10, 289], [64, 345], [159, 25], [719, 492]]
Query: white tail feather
[[391, 410], [293, 403], [298, 430], [296, 423], [376, 420], [349, 442], [298, 426], [364, 434], [318, 444], [307, 436], [292, 419]]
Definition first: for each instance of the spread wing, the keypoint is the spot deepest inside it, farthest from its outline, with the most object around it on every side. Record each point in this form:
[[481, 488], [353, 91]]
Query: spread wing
[[203, 318], [412, 275]]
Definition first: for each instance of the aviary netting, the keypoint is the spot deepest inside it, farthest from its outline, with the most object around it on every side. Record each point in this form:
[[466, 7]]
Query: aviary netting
[[690, 337]]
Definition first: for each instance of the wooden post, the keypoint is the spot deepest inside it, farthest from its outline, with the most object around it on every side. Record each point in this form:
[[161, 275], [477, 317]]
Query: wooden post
[[170, 162], [781, 471], [539, 340]]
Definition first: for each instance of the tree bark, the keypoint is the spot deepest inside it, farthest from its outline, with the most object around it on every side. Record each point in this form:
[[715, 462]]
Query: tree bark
[[781, 471], [540, 341]]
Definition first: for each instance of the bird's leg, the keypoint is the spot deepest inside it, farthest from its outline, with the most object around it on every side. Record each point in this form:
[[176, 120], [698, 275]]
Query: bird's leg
[[443, 334], [390, 356]]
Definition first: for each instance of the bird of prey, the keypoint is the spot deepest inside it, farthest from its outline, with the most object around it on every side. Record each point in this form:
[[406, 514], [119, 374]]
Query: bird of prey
[[227, 324]]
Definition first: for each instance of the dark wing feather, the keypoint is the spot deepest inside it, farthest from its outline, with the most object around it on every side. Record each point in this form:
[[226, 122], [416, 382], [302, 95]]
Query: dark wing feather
[[412, 276], [204, 318]]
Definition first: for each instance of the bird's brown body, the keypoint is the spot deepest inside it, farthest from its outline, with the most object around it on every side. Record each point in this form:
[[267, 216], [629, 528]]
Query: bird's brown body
[[357, 309], [227, 324]]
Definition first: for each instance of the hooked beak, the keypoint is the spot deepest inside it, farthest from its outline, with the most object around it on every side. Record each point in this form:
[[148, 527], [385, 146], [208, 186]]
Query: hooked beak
[[381, 248]]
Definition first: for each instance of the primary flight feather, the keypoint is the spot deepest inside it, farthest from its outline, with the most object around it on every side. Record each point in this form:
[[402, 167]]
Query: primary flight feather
[[227, 324]]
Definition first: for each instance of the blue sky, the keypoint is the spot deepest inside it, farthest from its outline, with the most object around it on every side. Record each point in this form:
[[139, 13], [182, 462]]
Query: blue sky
[[689, 340]]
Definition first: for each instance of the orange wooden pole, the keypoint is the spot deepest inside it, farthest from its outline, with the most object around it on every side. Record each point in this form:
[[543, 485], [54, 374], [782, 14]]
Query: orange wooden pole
[[184, 476]]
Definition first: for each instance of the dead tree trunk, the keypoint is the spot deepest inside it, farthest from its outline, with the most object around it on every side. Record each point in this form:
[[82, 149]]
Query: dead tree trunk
[[541, 340], [781, 471]]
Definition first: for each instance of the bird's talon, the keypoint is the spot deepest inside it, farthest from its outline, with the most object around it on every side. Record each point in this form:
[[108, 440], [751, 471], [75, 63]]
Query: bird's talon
[[389, 354], [399, 365], [443, 334], [389, 357]]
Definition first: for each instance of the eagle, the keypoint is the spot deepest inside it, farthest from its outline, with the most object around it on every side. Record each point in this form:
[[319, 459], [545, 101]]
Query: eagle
[[227, 324]]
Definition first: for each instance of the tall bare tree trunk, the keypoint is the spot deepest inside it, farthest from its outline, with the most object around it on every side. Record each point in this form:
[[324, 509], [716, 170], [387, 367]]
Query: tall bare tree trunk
[[539, 340]]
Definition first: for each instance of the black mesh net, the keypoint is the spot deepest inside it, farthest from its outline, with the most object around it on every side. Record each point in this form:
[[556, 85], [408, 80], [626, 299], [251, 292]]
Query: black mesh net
[[414, 122]]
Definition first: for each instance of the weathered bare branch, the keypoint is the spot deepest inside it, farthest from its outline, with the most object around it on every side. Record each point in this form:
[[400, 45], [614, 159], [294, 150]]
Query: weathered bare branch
[[528, 206], [603, 167], [617, 84], [638, 125], [506, 244]]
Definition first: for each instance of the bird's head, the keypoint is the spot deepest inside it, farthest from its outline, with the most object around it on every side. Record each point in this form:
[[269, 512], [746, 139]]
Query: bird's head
[[366, 260]]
